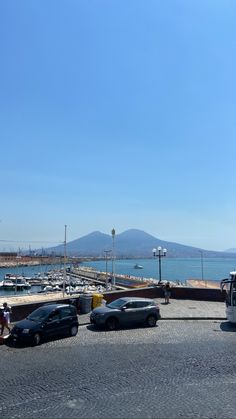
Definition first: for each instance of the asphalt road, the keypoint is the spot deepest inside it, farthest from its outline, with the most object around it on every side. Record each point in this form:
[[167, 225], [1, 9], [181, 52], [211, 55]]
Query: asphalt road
[[179, 369]]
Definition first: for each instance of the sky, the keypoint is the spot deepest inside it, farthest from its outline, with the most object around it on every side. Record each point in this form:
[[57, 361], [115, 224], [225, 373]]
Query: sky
[[118, 114]]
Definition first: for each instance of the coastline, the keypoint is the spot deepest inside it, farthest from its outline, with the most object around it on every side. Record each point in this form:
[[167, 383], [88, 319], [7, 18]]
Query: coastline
[[199, 283]]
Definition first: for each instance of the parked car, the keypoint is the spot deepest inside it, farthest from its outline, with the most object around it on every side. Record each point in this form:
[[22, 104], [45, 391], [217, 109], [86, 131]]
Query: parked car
[[46, 321], [126, 311]]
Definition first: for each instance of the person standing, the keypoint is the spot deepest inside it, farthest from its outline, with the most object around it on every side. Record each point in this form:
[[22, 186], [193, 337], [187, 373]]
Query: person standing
[[2, 321], [167, 292], [5, 318]]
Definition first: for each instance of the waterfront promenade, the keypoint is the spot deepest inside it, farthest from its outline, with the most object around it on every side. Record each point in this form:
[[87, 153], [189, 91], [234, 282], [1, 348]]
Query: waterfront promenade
[[177, 309], [183, 310]]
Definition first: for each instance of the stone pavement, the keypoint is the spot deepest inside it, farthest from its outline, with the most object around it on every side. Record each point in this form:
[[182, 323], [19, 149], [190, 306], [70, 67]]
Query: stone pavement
[[183, 310]]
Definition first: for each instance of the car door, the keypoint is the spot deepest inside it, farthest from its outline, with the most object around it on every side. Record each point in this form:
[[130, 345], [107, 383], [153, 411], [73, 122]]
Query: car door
[[130, 313], [67, 318], [143, 309], [52, 325]]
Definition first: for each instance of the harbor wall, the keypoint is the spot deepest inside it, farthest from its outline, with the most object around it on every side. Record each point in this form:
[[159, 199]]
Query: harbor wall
[[20, 311]]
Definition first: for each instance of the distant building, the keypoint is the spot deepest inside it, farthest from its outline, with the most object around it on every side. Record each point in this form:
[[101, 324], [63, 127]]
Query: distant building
[[7, 256]]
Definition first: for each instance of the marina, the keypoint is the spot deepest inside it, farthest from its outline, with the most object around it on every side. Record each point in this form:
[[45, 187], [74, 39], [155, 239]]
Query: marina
[[67, 281], [95, 276]]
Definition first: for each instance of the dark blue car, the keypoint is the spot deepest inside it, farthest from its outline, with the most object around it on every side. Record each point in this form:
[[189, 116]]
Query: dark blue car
[[47, 321]]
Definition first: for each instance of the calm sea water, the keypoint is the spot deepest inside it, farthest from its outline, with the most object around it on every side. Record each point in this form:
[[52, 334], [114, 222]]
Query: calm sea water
[[178, 269]]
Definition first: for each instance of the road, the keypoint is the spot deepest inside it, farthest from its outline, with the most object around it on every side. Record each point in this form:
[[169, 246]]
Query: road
[[179, 369]]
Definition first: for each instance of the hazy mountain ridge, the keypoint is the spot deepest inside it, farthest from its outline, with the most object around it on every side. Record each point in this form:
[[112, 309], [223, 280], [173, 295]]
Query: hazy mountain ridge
[[131, 243]]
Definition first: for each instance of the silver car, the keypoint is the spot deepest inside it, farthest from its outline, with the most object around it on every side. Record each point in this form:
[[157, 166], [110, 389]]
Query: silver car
[[126, 311]]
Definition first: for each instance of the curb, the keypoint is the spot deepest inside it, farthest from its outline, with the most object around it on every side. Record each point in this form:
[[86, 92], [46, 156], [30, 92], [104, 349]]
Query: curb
[[193, 318]]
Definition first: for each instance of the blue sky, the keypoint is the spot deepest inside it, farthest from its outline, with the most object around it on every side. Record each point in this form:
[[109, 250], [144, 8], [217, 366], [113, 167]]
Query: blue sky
[[117, 113]]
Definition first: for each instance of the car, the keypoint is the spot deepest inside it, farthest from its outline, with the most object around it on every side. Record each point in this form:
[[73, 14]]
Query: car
[[126, 311], [47, 321]]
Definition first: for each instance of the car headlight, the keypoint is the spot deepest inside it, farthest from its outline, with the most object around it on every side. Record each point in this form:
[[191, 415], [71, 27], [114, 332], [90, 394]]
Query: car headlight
[[25, 331]]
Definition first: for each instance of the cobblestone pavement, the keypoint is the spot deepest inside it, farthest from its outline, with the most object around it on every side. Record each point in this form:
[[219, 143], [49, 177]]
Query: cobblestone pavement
[[179, 369]]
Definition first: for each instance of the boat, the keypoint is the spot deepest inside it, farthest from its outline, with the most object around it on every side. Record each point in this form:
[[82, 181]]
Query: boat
[[18, 282], [138, 266], [8, 276], [7, 284], [21, 283]]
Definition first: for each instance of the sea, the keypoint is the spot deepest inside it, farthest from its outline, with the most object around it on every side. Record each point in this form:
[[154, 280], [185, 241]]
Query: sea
[[172, 269]]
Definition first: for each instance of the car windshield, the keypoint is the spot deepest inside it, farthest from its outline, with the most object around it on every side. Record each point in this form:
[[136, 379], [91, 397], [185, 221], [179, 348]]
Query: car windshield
[[116, 304], [38, 315]]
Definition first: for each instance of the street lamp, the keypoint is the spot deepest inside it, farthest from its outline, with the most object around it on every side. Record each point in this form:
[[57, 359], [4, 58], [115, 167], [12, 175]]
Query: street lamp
[[159, 253], [113, 233], [106, 253], [201, 253]]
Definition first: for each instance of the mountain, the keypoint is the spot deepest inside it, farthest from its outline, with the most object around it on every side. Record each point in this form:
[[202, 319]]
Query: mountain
[[232, 250], [131, 243]]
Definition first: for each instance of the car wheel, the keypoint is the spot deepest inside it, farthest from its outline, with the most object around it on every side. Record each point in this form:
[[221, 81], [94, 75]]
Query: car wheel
[[73, 330], [151, 321], [36, 339], [112, 323]]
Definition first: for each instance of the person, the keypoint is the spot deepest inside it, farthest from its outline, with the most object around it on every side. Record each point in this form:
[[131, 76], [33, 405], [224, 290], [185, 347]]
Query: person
[[5, 318], [2, 321], [167, 292]]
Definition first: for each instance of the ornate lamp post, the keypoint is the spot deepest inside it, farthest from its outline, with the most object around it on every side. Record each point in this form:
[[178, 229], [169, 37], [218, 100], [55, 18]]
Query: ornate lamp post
[[113, 233], [159, 253]]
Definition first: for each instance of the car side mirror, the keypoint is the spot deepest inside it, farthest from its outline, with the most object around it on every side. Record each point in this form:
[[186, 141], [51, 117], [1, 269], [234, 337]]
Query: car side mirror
[[123, 308]]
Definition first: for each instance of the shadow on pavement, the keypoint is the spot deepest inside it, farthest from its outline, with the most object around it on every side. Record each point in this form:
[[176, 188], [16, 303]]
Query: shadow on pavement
[[93, 328], [228, 327], [21, 344]]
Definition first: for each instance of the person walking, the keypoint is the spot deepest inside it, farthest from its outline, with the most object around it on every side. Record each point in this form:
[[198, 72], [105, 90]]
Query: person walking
[[5, 318], [167, 292]]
